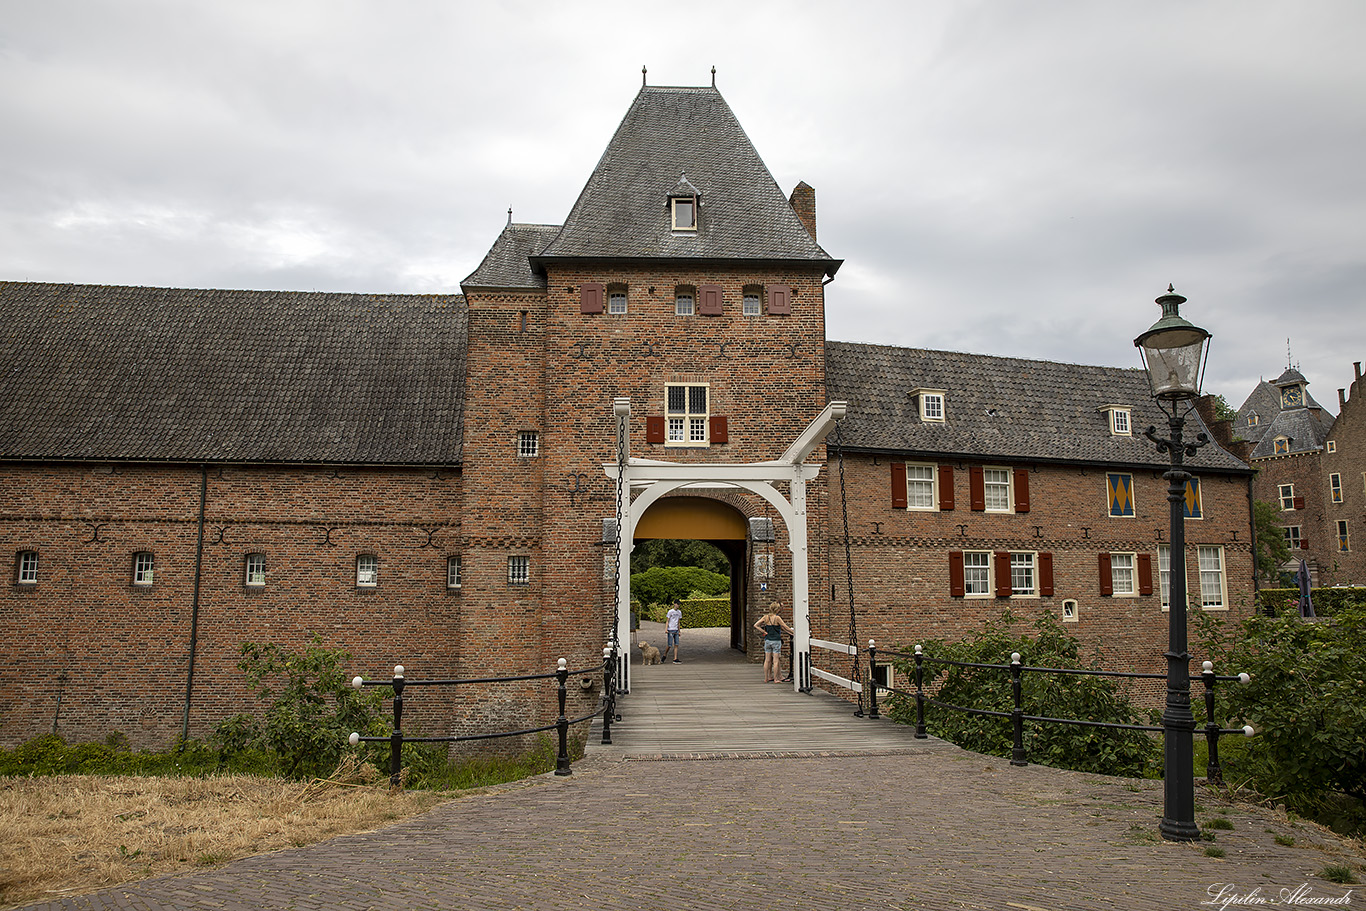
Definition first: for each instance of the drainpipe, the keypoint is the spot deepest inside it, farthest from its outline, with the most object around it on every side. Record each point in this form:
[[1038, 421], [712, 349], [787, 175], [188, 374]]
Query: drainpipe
[[194, 605], [1252, 522]]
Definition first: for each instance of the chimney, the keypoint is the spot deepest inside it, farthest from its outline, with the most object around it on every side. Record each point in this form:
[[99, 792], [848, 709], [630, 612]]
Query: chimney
[[803, 202], [1342, 398]]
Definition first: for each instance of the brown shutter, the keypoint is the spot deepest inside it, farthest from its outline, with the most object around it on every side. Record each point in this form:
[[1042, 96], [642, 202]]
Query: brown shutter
[[977, 488], [956, 587], [899, 485], [779, 299], [718, 427], [1046, 574], [654, 429], [709, 300], [1299, 503], [1022, 490], [1002, 558], [590, 297], [1304, 543], [1107, 581], [946, 488], [1145, 574]]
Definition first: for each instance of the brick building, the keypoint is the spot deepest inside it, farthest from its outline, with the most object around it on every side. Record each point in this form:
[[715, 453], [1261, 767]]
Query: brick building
[[1312, 467], [432, 479]]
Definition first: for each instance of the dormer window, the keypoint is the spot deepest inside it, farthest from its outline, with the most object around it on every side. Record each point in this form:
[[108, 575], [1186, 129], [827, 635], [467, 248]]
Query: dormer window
[[1253, 419], [684, 213], [1281, 446], [1120, 418], [931, 404]]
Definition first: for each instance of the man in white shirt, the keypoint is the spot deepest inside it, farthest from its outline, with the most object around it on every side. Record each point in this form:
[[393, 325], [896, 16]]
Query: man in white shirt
[[672, 621]]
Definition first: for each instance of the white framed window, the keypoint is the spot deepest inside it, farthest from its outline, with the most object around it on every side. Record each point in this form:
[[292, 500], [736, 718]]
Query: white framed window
[[1344, 540], [977, 574], [453, 572], [932, 407], [1287, 495], [519, 570], [1119, 422], [1335, 486], [528, 444], [26, 567], [143, 566], [763, 566], [1164, 574], [1332, 446], [920, 492], [1122, 575], [685, 414], [1023, 575], [684, 302], [1212, 577], [367, 571], [254, 570], [684, 212], [996, 489], [751, 304], [616, 301], [1292, 537], [1069, 611]]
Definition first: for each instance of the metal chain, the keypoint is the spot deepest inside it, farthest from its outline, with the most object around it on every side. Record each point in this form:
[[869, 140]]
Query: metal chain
[[621, 524], [854, 672]]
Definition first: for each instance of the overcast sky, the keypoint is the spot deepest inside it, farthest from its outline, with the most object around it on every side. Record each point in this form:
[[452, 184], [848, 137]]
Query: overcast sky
[[1004, 178]]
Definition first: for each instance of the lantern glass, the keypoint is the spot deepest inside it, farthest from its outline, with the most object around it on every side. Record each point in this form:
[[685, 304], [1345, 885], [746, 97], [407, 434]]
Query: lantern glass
[[1174, 352]]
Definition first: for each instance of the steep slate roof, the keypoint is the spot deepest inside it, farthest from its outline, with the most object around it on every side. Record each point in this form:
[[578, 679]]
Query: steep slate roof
[[507, 263], [667, 135], [93, 372], [1000, 407], [1306, 427]]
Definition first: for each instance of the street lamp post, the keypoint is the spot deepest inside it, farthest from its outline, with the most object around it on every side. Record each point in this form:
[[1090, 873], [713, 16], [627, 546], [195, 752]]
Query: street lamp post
[[1174, 353]]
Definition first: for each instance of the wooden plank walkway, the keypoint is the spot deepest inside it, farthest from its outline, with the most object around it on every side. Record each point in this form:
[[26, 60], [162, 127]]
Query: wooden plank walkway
[[715, 704]]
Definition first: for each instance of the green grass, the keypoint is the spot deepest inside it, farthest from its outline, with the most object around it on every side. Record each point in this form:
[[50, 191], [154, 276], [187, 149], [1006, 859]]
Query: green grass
[[1338, 873]]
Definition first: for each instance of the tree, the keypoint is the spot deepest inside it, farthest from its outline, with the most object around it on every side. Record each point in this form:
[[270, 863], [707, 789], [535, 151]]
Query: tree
[[677, 552], [666, 584], [1272, 551]]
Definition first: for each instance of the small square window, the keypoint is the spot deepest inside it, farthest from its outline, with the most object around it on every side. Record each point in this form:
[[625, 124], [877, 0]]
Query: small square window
[[255, 570], [932, 406], [528, 444], [616, 302], [142, 568], [1069, 611], [1281, 446], [1119, 421], [683, 303], [367, 571], [26, 567], [751, 305], [452, 572], [684, 213], [519, 570]]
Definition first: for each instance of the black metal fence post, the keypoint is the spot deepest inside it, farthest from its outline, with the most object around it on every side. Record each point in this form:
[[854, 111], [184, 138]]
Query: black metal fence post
[[872, 678], [609, 698], [562, 724], [1017, 752], [396, 739], [920, 694], [1213, 771]]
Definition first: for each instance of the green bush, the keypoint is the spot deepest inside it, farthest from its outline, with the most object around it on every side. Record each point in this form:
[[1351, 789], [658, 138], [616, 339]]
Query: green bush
[[705, 613], [1110, 752], [667, 584], [50, 754], [1328, 602]]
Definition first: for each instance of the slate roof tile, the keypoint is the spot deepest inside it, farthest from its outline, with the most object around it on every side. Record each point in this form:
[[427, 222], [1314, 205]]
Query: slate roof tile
[[507, 264]]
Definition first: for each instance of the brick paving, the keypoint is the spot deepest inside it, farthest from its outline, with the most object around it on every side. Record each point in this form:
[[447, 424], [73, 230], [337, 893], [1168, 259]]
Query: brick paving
[[812, 828]]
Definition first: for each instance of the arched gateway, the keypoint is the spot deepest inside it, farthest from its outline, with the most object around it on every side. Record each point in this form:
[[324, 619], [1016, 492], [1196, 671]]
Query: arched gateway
[[655, 479]]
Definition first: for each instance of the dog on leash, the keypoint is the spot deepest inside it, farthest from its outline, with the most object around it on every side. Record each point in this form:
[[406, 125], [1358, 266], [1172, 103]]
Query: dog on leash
[[649, 654]]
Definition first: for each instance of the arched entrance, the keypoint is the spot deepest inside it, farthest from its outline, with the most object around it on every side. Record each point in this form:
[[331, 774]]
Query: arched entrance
[[719, 524]]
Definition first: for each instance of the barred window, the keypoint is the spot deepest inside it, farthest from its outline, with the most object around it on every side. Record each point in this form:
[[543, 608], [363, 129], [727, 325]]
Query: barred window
[[519, 570]]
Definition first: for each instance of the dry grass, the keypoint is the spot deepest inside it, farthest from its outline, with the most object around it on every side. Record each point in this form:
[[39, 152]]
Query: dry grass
[[62, 836]]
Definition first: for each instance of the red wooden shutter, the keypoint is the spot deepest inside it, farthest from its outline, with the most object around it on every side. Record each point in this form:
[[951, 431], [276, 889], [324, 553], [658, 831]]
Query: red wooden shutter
[[1003, 587], [779, 299], [977, 488], [1304, 543], [956, 586], [590, 297], [946, 488], [1145, 574], [654, 429], [1299, 503], [1046, 574], [718, 427], [1022, 490], [709, 300], [1107, 581], [899, 486]]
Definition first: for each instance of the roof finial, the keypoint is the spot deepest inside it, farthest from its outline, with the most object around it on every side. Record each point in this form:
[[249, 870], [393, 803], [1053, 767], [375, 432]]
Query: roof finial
[[642, 75], [1171, 288], [509, 214], [713, 76], [1288, 359]]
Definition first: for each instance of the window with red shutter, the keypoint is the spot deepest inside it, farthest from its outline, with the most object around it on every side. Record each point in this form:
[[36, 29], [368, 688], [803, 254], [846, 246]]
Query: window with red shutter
[[946, 488], [1299, 502], [956, 588], [1107, 581], [718, 427], [1002, 560], [1021, 490], [1046, 574], [899, 488], [1145, 574], [590, 297], [779, 299], [654, 429], [977, 489], [709, 300]]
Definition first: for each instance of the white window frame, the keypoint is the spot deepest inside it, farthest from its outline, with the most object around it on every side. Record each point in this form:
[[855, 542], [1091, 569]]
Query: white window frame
[[1344, 537], [144, 568], [1024, 566], [616, 302], [932, 406], [26, 567], [1286, 492], [1127, 574], [367, 571], [453, 571], [254, 570], [687, 427], [1069, 610], [1332, 446], [519, 570], [685, 303], [989, 485], [528, 444], [1120, 418], [922, 493], [974, 574], [1213, 590], [1335, 487], [752, 303], [1164, 575], [887, 672], [677, 205]]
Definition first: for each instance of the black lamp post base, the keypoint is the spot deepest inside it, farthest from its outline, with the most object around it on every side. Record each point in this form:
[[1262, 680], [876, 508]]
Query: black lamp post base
[[1178, 830]]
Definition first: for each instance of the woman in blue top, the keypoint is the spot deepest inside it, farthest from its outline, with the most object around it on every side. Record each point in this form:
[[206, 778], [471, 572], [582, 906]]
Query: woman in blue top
[[772, 626]]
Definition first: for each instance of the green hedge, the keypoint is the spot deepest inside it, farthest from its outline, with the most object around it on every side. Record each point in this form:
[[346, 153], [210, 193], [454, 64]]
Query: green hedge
[[704, 613], [1328, 602]]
